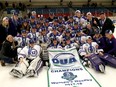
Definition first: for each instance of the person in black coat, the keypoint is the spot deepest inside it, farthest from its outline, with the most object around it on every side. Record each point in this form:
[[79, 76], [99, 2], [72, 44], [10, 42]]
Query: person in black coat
[[8, 51], [5, 29], [106, 23]]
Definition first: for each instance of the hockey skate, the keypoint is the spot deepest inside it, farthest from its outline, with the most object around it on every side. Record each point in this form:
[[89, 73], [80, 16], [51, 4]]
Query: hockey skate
[[30, 73], [86, 62], [16, 73], [101, 68]]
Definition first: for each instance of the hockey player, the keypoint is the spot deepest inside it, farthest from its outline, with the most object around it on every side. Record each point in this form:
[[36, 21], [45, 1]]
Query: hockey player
[[29, 61], [100, 40], [43, 38], [80, 38], [69, 43], [32, 21], [25, 25], [54, 33], [75, 27], [67, 33], [54, 43], [60, 29], [61, 20], [70, 22], [34, 34], [78, 18], [22, 40], [89, 49]]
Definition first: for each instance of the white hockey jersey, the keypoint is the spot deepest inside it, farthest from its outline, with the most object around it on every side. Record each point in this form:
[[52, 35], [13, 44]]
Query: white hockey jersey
[[34, 36], [22, 41], [80, 40], [30, 53], [89, 49], [71, 45], [81, 21], [44, 39]]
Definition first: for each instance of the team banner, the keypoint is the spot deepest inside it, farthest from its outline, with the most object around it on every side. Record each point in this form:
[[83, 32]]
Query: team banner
[[67, 71]]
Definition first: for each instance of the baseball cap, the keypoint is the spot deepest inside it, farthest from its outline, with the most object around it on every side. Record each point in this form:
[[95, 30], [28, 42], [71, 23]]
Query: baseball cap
[[89, 13], [15, 13], [77, 11], [33, 26], [102, 12], [23, 31], [108, 32], [31, 41], [32, 17], [67, 38], [97, 32], [33, 12], [88, 37], [67, 31], [46, 20], [75, 23]]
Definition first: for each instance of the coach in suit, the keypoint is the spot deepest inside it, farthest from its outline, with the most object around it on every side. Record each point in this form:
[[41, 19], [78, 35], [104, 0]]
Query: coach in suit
[[106, 23]]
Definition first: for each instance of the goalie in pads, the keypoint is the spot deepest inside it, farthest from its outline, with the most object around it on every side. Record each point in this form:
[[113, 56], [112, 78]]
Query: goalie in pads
[[89, 53], [29, 61]]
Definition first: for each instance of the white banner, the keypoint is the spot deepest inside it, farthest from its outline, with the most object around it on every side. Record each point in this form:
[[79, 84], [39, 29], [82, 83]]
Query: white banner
[[67, 71]]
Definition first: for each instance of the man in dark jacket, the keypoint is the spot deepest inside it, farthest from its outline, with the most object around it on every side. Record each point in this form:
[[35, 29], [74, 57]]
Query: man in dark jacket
[[8, 51], [106, 23]]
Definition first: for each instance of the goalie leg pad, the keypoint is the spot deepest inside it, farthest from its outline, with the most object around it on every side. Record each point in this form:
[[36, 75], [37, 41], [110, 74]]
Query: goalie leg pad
[[20, 69], [96, 63], [109, 60], [34, 67]]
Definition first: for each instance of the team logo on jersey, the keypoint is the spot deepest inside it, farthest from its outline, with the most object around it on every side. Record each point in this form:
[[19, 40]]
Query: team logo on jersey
[[64, 60], [33, 53], [69, 76], [91, 50]]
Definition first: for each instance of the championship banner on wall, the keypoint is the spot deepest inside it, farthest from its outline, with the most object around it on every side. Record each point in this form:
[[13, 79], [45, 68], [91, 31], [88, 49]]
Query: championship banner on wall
[[67, 71]]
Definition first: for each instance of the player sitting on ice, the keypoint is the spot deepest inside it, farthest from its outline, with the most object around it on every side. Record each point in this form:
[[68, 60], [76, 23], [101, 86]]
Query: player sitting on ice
[[29, 61], [88, 51]]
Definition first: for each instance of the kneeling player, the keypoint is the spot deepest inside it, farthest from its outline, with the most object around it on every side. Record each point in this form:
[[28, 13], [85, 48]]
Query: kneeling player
[[89, 52], [29, 61]]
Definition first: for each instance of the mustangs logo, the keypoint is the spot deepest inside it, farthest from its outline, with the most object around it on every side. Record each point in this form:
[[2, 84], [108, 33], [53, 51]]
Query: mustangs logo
[[64, 60], [33, 53], [68, 76]]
